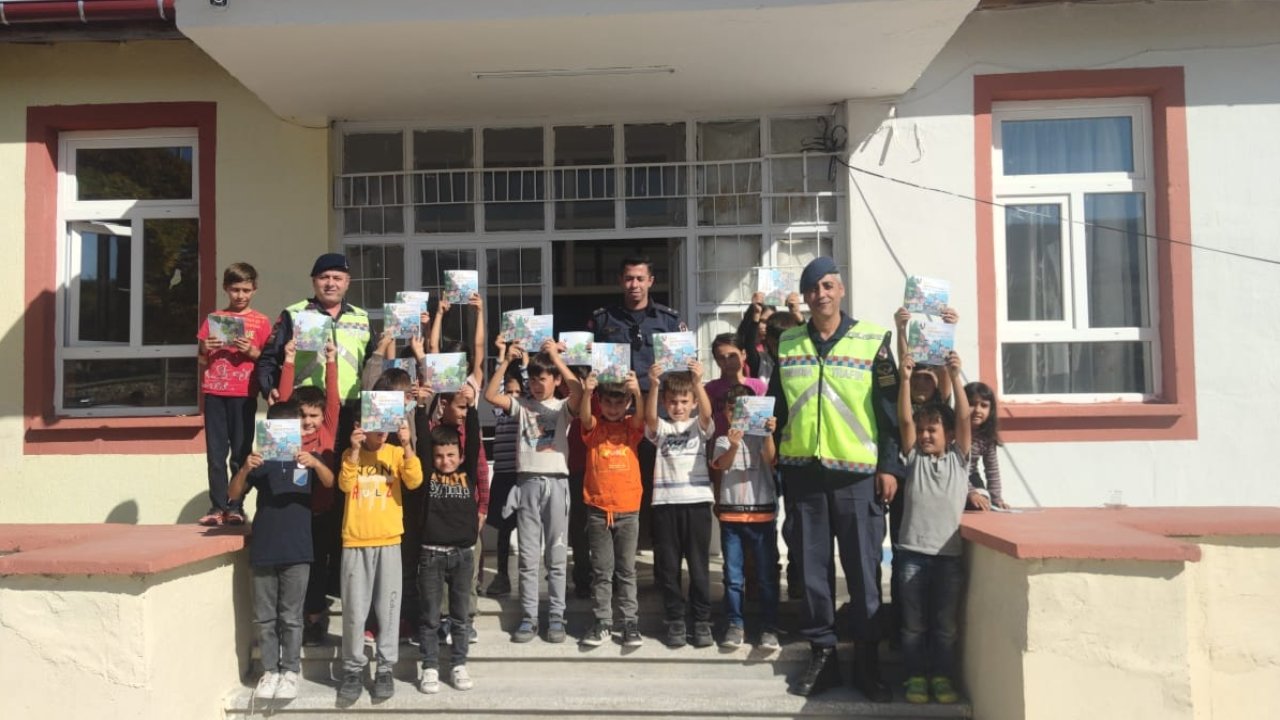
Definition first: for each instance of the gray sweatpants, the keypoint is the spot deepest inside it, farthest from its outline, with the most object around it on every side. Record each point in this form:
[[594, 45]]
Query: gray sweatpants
[[371, 576], [613, 562], [542, 523], [278, 593]]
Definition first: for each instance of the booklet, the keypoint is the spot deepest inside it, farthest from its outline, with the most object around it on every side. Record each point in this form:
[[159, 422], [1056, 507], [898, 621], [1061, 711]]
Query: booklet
[[280, 439], [751, 414], [675, 350], [408, 365], [515, 324], [929, 341], [445, 372], [381, 410], [312, 330], [777, 283], [926, 295], [611, 361], [403, 319], [459, 284], [539, 332], [227, 328], [577, 347], [415, 297]]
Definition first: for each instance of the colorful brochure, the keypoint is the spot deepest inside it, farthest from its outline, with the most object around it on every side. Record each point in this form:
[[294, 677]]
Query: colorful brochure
[[929, 341], [611, 361], [280, 439], [312, 330], [577, 347], [404, 320], [539, 332], [408, 365], [445, 372], [227, 328], [515, 324], [926, 295], [777, 283], [459, 284], [420, 298], [381, 410], [675, 350], [751, 414]]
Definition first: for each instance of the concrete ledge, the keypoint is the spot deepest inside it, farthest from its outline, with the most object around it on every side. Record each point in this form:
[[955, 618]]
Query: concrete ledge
[[111, 549], [1114, 534]]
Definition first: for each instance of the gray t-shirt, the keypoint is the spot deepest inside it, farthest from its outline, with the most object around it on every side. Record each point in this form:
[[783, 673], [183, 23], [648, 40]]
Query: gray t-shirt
[[936, 489], [543, 443]]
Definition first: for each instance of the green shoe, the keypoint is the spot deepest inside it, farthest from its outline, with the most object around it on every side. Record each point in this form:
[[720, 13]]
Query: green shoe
[[917, 691], [942, 690]]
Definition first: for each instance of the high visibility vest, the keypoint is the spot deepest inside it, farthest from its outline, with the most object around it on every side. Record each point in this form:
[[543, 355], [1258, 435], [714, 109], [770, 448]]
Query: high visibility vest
[[351, 335], [829, 400]]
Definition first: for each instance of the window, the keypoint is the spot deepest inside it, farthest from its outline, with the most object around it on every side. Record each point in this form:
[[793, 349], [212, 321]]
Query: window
[[1077, 300], [129, 280]]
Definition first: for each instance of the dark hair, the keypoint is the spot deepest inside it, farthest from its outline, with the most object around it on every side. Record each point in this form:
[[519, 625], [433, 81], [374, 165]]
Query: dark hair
[[726, 339], [309, 396], [283, 410], [542, 364], [393, 379], [989, 429], [732, 394], [633, 260], [445, 435], [239, 272], [612, 390], [936, 410], [677, 382], [777, 324]]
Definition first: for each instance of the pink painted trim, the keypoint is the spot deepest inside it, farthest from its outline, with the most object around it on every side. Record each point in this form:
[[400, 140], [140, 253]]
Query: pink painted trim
[[111, 549], [1175, 417]]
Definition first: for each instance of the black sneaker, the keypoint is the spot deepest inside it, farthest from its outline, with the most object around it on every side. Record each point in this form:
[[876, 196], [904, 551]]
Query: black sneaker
[[822, 673], [555, 630], [349, 690], [499, 586], [383, 686], [527, 631], [631, 634], [732, 637], [314, 633], [702, 635], [596, 635], [676, 633]]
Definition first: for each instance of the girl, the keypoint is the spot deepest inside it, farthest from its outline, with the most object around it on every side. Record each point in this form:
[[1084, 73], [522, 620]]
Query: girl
[[986, 438]]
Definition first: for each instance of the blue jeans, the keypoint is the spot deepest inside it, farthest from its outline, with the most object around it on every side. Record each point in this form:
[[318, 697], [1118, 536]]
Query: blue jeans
[[759, 539], [931, 587]]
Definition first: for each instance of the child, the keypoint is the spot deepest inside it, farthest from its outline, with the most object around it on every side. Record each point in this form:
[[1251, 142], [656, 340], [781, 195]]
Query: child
[[542, 480], [747, 507], [280, 555], [986, 440], [230, 391], [730, 357], [448, 535], [373, 478], [505, 435], [931, 567], [611, 493], [682, 498]]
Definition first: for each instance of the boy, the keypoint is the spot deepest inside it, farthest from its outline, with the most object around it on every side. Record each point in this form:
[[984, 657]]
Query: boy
[[542, 480], [682, 498], [506, 434], [611, 494], [280, 555], [448, 535], [929, 541], [230, 393], [373, 478], [747, 507]]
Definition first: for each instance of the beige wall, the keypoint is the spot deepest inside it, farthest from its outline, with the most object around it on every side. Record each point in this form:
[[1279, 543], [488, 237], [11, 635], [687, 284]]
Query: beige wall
[[272, 211]]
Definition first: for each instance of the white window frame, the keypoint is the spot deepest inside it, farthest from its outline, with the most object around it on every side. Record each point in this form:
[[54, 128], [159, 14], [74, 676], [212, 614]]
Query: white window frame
[[1068, 190], [68, 346]]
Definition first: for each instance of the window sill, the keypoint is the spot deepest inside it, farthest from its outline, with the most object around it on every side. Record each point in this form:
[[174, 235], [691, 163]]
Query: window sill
[[1096, 422], [153, 435]]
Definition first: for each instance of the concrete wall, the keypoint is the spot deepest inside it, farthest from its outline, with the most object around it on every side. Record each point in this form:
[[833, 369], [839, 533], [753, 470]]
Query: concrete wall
[[1233, 110], [272, 211]]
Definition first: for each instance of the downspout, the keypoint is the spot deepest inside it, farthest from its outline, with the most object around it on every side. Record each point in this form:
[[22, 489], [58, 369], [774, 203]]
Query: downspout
[[84, 11]]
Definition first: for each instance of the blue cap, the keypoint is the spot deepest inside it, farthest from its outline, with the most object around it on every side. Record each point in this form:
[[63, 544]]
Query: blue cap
[[330, 261], [817, 269]]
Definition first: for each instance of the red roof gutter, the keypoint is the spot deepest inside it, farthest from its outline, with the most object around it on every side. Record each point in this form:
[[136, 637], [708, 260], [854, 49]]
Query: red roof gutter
[[62, 12]]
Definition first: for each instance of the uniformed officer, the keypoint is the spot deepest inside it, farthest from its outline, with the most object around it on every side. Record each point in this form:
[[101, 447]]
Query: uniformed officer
[[838, 450], [636, 320]]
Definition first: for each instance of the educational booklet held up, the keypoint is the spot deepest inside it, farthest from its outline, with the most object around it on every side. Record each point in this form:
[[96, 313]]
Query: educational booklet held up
[[577, 347], [408, 365], [403, 319], [381, 410], [926, 295], [930, 341], [515, 324], [445, 372], [777, 283], [312, 330], [675, 350], [751, 414], [611, 361], [539, 332], [420, 298], [227, 328], [280, 440], [459, 284]]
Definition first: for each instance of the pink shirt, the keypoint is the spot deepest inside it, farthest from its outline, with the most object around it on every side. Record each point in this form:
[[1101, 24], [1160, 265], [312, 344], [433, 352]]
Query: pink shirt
[[229, 372], [716, 390]]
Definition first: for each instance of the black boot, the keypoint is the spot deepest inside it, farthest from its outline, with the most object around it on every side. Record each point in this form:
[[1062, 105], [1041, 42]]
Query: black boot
[[866, 673], [823, 673]]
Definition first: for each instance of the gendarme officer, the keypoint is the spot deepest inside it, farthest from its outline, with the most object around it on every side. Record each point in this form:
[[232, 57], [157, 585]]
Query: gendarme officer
[[636, 320]]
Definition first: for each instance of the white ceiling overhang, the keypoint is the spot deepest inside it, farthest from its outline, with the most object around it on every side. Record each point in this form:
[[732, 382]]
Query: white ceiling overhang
[[314, 61]]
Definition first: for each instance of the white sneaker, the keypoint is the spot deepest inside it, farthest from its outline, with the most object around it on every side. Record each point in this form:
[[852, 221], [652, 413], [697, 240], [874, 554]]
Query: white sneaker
[[267, 685], [462, 678], [430, 682], [288, 687]]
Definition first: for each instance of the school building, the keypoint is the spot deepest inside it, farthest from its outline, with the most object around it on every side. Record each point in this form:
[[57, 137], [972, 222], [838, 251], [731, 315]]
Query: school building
[[1094, 179]]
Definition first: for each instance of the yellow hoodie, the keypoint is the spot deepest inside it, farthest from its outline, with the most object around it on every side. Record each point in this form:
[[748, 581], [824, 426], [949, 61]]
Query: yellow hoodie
[[375, 509]]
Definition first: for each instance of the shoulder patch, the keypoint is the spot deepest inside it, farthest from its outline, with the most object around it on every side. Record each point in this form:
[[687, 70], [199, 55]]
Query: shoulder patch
[[664, 309]]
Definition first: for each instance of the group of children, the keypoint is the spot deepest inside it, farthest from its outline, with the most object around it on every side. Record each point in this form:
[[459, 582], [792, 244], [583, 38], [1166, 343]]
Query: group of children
[[415, 500]]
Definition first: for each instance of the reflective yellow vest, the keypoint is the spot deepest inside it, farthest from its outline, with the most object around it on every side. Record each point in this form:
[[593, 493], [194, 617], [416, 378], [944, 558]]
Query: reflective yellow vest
[[351, 335], [829, 400]]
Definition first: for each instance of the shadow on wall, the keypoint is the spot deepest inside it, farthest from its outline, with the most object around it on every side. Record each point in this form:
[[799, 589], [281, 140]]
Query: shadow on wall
[[194, 508], [126, 513]]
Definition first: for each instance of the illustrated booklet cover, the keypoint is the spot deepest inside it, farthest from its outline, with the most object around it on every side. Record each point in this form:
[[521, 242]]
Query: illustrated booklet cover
[[675, 350], [611, 361], [926, 295], [408, 365], [280, 439], [312, 330], [777, 283], [539, 332], [381, 410], [577, 347], [420, 298], [929, 341], [459, 284], [515, 324], [403, 319], [445, 372], [227, 328], [751, 414]]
